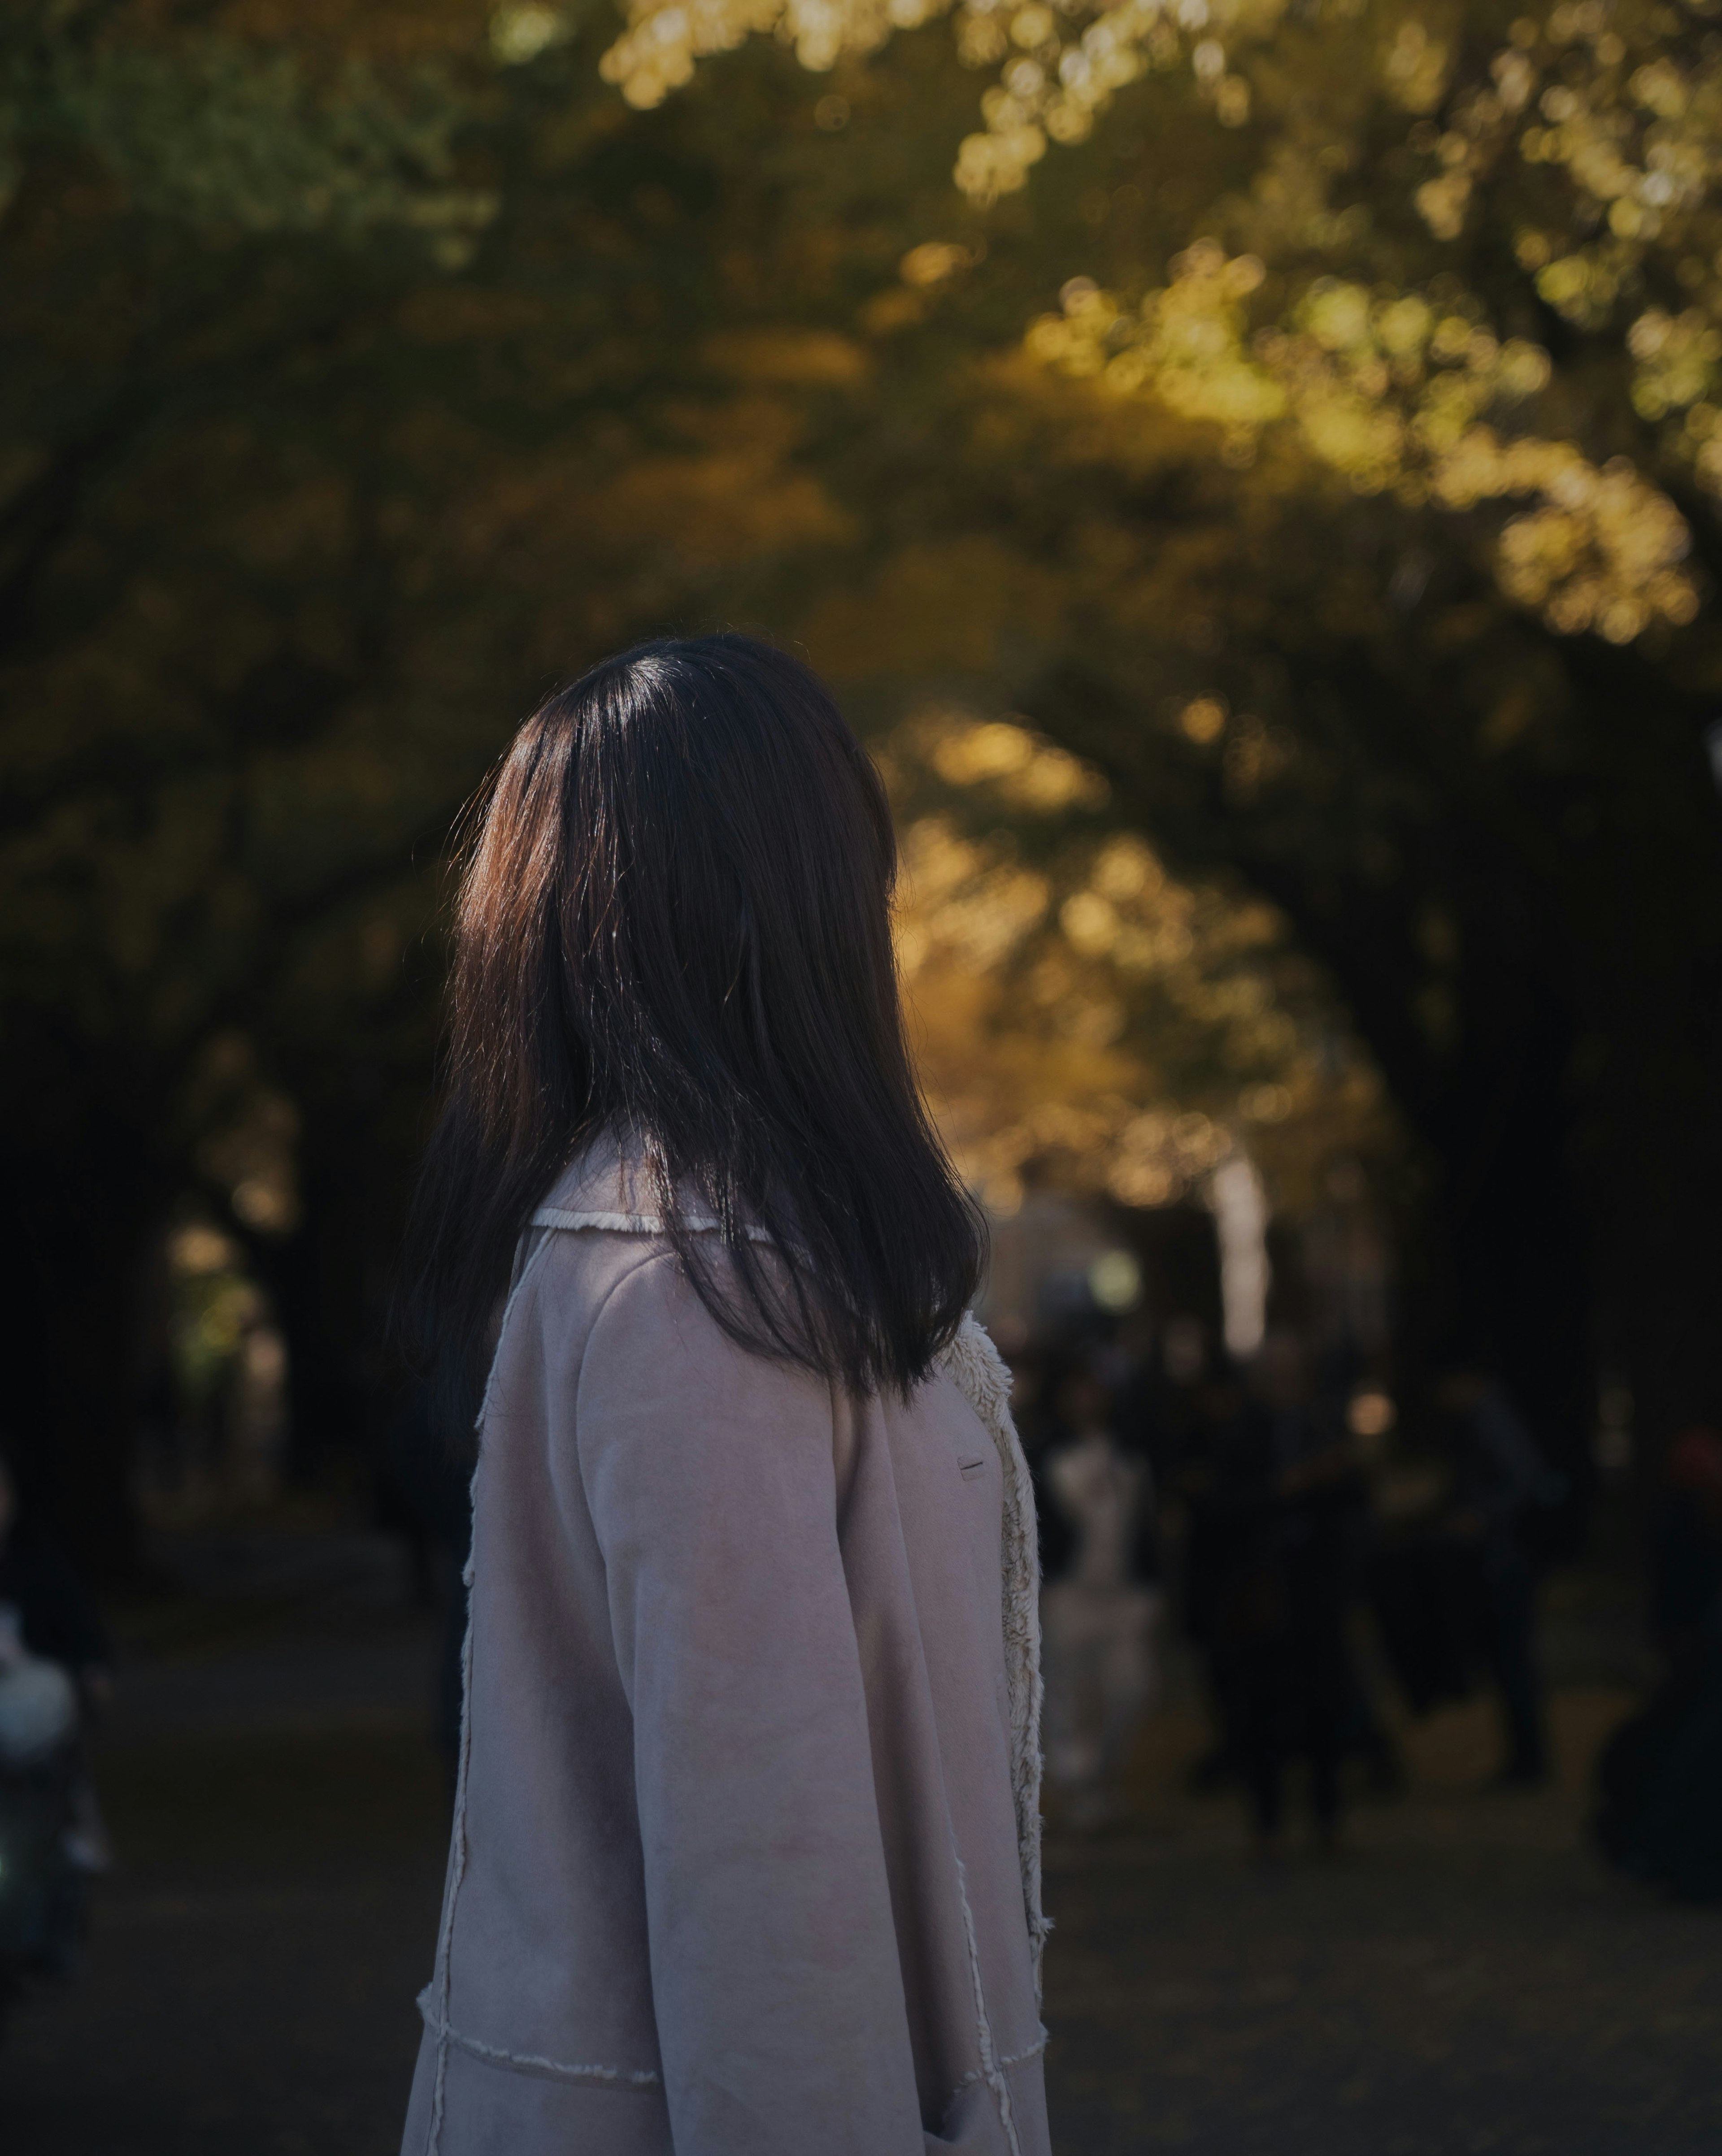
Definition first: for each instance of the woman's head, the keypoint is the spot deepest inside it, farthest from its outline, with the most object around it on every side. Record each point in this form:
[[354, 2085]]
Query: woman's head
[[674, 925]]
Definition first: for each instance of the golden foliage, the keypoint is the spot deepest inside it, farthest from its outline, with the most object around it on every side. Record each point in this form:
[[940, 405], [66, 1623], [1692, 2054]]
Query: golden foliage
[[1593, 134], [657, 52], [1389, 391], [1081, 1015]]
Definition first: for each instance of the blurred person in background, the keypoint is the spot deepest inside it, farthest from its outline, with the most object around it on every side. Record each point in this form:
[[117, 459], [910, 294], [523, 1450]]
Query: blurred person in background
[[1686, 1556], [1659, 1779], [1098, 1609], [1499, 1483], [55, 1613], [1288, 1489], [1199, 1410], [1037, 1369], [745, 1856], [55, 1675], [1160, 1409]]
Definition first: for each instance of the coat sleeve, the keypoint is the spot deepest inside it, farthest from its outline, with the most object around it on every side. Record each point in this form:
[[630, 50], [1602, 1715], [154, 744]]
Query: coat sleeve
[[710, 1478]]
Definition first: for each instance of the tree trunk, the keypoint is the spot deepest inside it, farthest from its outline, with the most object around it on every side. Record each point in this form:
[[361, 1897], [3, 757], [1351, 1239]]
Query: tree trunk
[[83, 1337], [333, 1278]]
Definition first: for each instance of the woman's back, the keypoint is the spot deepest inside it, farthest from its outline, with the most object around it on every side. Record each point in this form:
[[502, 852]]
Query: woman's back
[[736, 1866], [746, 1854]]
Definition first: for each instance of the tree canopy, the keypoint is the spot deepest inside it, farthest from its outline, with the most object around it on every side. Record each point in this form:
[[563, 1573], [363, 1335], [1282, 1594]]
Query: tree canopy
[[1302, 421]]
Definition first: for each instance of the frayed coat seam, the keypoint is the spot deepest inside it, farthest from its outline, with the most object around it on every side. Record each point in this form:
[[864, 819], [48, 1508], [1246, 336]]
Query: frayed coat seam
[[1003, 2066], [642, 2079], [991, 2068]]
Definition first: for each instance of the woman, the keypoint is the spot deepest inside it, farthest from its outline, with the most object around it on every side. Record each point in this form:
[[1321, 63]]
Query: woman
[[745, 1857]]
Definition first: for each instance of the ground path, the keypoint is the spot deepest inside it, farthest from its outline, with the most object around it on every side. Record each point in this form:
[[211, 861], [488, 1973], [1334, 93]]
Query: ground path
[[1465, 1978]]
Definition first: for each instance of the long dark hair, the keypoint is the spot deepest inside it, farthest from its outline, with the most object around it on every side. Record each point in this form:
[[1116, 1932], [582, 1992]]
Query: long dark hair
[[674, 926]]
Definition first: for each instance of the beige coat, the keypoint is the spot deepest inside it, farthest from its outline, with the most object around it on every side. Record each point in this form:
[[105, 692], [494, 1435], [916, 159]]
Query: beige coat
[[746, 1854]]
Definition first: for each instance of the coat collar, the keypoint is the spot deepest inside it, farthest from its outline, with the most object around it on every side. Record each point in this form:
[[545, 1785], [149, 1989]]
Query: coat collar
[[606, 1187]]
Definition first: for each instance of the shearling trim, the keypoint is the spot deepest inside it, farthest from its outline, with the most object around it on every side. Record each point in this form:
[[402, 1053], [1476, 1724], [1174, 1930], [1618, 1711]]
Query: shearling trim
[[643, 2079], [636, 1223], [978, 1370]]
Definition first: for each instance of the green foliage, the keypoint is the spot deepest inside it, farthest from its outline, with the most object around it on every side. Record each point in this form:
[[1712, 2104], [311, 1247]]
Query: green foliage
[[202, 129]]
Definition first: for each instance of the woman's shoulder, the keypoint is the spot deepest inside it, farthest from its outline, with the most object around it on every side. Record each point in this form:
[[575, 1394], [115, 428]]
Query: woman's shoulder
[[599, 1265], [577, 1259], [605, 1189]]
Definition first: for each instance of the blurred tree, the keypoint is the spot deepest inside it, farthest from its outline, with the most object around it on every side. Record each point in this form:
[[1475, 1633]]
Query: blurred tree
[[1080, 1016], [362, 379], [1453, 324], [200, 234], [1369, 553], [369, 367]]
